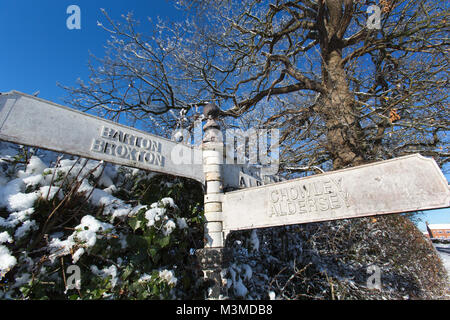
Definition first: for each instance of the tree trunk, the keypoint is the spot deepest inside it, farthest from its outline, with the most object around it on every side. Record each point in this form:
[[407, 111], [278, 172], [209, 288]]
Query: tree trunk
[[344, 135]]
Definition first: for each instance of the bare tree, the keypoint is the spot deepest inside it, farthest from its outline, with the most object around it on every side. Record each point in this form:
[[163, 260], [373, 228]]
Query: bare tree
[[340, 91]]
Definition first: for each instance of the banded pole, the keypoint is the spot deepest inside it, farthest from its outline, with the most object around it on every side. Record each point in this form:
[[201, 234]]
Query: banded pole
[[213, 257]]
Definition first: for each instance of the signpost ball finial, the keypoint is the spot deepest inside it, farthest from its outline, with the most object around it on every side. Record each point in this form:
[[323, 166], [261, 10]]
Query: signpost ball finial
[[211, 111]]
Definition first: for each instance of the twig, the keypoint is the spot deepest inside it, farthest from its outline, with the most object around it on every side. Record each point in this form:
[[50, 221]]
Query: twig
[[64, 274], [53, 177], [331, 286]]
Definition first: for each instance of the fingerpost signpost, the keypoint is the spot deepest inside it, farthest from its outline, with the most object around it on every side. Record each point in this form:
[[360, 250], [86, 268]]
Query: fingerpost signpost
[[405, 184]]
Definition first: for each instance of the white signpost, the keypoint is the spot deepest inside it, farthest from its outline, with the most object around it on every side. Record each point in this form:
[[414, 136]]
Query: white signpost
[[32, 121], [410, 183]]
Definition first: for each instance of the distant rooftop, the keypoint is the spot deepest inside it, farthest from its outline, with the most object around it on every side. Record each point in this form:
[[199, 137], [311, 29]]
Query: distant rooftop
[[439, 226]]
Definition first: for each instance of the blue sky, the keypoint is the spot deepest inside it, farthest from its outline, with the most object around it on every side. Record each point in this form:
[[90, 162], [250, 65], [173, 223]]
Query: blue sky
[[38, 50], [434, 216]]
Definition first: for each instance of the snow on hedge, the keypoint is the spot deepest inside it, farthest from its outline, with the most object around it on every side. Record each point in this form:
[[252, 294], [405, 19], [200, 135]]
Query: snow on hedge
[[131, 249], [48, 177]]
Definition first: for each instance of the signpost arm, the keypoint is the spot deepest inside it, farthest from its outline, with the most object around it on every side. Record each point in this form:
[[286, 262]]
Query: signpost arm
[[213, 257]]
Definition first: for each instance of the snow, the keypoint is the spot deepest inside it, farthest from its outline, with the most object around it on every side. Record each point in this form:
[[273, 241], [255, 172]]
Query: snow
[[240, 290], [10, 190], [99, 196], [15, 218], [21, 280], [168, 202], [22, 201], [105, 181], [27, 226], [77, 255], [165, 202], [144, 278], [5, 237], [272, 295], [35, 165], [33, 180], [168, 227], [181, 222], [21, 188], [85, 236], [110, 271], [113, 206], [119, 213], [123, 240], [12, 194], [60, 247], [168, 276], [439, 226], [153, 215], [254, 240], [247, 272], [87, 230], [49, 192], [135, 210], [7, 261], [111, 189], [443, 250]]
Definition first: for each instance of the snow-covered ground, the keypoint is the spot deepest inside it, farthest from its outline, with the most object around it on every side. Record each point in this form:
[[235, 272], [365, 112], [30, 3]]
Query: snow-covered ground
[[444, 252]]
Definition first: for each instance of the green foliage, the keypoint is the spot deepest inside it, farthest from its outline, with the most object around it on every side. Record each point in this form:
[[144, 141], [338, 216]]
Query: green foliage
[[132, 259]]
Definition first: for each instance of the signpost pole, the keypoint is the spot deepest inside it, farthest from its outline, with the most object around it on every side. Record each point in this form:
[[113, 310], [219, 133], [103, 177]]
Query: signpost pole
[[213, 257]]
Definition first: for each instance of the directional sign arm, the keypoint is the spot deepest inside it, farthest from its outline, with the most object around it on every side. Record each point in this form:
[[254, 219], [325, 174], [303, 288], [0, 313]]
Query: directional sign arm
[[32, 121], [405, 184]]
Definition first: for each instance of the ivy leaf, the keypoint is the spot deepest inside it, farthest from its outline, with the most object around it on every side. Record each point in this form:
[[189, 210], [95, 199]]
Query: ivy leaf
[[128, 270], [163, 242], [154, 254], [134, 223]]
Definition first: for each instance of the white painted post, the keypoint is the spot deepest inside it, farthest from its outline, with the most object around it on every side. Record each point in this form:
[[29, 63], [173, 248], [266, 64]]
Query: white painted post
[[213, 257], [213, 147], [212, 167]]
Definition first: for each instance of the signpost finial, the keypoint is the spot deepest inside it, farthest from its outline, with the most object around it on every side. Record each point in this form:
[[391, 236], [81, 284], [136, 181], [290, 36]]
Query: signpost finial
[[211, 113]]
